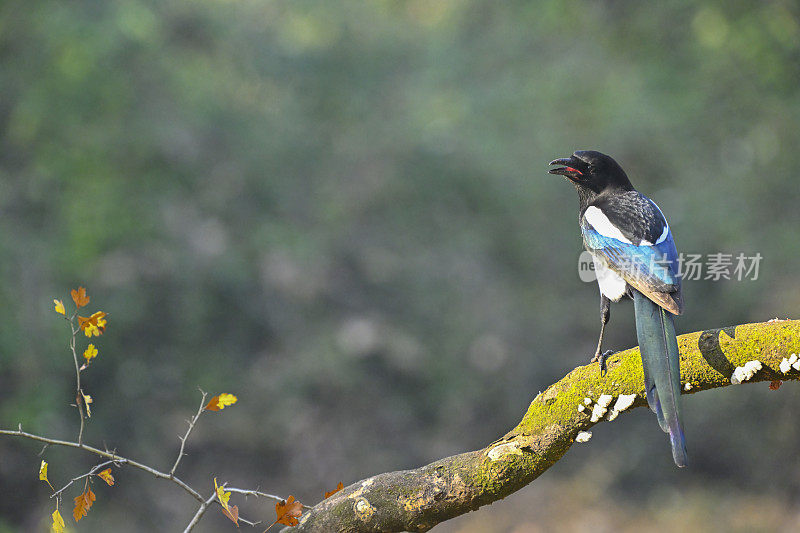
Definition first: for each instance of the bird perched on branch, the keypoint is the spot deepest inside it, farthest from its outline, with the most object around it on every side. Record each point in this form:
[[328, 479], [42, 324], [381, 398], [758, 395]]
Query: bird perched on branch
[[634, 256]]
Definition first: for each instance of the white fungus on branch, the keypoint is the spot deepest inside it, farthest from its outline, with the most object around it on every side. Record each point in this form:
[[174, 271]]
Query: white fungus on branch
[[623, 402], [601, 407], [744, 373], [792, 362]]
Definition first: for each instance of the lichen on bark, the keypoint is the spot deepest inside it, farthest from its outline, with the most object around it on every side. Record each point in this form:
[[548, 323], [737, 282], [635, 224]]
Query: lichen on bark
[[418, 499]]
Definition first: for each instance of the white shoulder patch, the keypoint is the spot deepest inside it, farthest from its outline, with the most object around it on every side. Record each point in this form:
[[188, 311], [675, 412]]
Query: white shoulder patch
[[612, 286], [599, 221]]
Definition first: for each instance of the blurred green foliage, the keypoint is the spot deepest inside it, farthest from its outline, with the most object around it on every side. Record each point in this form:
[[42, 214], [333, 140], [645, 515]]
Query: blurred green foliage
[[340, 212]]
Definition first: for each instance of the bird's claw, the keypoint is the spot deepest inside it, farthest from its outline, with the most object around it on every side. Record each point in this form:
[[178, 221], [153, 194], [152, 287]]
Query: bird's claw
[[603, 358]]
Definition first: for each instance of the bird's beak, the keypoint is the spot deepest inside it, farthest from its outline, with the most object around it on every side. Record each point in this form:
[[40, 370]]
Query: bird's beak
[[567, 169]]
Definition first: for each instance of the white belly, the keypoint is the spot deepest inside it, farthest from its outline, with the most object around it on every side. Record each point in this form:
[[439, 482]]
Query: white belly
[[612, 286]]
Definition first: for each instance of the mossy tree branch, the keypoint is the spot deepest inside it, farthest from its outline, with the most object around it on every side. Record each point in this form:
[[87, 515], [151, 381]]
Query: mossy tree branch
[[416, 500]]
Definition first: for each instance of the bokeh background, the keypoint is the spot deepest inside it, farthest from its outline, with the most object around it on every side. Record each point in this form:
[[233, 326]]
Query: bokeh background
[[341, 213]]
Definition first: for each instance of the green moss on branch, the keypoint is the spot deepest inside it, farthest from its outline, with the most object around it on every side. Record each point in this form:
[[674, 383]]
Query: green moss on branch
[[418, 499]]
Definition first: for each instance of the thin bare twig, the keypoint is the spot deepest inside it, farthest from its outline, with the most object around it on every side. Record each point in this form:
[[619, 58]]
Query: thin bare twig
[[108, 455], [113, 457], [200, 511], [204, 507], [245, 521], [259, 494], [120, 461], [87, 474], [79, 392], [192, 422]]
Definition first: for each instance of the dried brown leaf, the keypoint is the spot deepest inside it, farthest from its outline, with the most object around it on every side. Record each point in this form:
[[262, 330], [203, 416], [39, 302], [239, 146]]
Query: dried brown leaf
[[83, 503], [334, 491]]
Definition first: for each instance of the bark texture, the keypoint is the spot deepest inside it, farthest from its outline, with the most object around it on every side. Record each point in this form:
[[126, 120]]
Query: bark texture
[[418, 499]]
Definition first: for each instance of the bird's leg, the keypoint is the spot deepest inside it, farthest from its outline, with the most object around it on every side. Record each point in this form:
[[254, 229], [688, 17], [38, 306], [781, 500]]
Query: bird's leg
[[605, 314]]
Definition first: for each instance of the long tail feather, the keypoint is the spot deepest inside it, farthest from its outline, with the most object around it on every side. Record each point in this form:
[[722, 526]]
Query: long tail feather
[[652, 395], [662, 374]]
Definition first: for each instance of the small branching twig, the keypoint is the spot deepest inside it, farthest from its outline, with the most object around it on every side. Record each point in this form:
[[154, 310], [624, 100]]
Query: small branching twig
[[247, 522], [79, 392], [95, 325], [200, 512], [87, 474], [108, 455], [213, 498], [119, 460], [259, 494], [192, 422]]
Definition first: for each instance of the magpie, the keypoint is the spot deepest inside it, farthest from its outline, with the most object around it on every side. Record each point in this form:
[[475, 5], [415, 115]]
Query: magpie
[[634, 256]]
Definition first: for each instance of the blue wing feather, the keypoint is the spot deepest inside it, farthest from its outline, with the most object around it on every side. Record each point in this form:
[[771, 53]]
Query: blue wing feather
[[651, 266]]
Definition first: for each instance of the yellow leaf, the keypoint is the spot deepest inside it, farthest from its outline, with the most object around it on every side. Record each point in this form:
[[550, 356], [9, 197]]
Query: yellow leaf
[[83, 503], [60, 307], [43, 474], [93, 325], [222, 496], [58, 522], [87, 399], [221, 401], [90, 352], [106, 476]]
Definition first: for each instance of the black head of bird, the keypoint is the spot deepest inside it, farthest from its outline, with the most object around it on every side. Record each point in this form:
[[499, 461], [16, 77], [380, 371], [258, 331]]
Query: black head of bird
[[592, 172]]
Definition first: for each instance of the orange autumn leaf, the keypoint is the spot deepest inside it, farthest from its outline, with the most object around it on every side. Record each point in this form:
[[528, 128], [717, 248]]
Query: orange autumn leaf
[[220, 402], [60, 307], [232, 512], [93, 325], [288, 510], [775, 385], [79, 297], [334, 491], [101, 319], [106, 476], [83, 503]]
